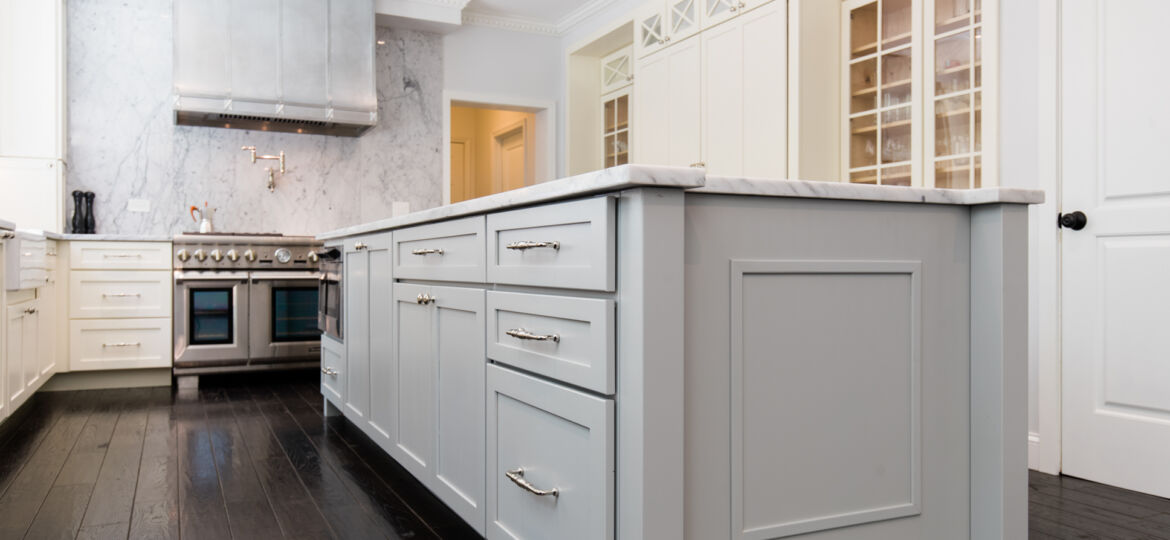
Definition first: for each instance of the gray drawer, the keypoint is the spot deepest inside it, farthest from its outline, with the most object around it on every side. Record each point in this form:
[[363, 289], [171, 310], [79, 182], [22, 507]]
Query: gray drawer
[[568, 339], [446, 251], [567, 245]]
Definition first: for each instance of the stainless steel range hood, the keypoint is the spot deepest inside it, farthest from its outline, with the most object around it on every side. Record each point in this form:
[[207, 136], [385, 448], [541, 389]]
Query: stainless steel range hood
[[299, 66]]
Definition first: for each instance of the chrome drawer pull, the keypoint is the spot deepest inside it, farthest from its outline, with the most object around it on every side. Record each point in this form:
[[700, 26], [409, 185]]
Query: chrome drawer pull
[[517, 477], [121, 295], [30, 311], [427, 252], [520, 333], [5, 235], [122, 256], [329, 371], [424, 299], [135, 344], [360, 246], [529, 245]]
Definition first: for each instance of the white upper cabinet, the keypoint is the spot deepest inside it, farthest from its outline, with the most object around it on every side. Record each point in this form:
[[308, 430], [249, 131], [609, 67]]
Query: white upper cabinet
[[32, 80], [684, 18], [617, 70], [650, 32], [717, 11], [667, 107]]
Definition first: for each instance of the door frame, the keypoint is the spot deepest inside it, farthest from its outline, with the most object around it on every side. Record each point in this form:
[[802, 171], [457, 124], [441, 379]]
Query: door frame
[[544, 133]]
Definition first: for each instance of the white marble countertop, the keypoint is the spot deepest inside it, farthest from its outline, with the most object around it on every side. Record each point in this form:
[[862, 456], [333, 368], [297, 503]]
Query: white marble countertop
[[109, 237], [611, 179], [7, 225], [694, 181]]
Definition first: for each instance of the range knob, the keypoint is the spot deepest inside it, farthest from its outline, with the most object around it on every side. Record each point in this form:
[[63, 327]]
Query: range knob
[[182, 255], [216, 255], [232, 255], [250, 255], [200, 255], [313, 257]]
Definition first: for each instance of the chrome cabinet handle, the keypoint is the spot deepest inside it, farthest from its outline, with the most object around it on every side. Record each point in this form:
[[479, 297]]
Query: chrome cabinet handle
[[699, 165], [329, 371], [30, 311], [438, 251], [51, 253], [517, 477], [122, 344], [120, 295], [28, 254], [425, 299], [360, 246], [530, 244], [520, 333], [122, 255], [5, 235]]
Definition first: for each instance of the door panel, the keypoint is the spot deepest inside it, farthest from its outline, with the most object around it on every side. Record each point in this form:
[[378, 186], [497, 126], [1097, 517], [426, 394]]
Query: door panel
[[459, 375], [414, 394], [685, 100], [764, 91], [381, 420], [14, 377], [1116, 414], [723, 105], [357, 336]]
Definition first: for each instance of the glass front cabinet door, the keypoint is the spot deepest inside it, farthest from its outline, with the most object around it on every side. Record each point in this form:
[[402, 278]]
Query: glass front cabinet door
[[912, 92]]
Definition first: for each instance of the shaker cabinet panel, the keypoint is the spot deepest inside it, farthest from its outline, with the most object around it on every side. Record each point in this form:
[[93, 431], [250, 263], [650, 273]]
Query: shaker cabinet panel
[[723, 106], [668, 106], [357, 332], [32, 81], [381, 420], [764, 91], [414, 381], [333, 369]]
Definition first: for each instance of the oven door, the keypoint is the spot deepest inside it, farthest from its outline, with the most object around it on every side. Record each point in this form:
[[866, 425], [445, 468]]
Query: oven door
[[283, 319], [211, 318]]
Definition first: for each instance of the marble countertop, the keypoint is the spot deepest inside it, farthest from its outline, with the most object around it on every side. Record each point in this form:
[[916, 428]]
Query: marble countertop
[[7, 225], [694, 181], [109, 237]]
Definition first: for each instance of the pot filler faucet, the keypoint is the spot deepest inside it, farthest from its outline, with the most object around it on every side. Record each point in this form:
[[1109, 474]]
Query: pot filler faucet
[[269, 170]]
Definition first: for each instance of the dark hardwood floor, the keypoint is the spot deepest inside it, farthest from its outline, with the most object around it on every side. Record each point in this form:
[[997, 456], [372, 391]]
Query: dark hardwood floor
[[252, 457], [243, 457]]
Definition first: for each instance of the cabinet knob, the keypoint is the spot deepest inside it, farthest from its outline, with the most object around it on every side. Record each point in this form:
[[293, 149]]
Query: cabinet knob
[[360, 246]]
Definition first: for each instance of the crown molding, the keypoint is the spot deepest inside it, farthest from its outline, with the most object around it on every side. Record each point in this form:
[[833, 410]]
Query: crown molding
[[521, 24]]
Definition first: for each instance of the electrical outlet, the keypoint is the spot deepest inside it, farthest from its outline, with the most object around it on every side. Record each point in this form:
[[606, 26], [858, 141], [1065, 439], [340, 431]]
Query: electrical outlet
[[138, 205]]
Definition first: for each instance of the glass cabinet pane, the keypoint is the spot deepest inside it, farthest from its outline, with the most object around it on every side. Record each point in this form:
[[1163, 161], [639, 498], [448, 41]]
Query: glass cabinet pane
[[622, 114], [952, 133], [958, 81], [897, 18], [951, 14], [622, 148], [952, 63], [863, 143], [896, 77], [953, 174], [898, 175], [863, 30], [863, 85], [609, 115]]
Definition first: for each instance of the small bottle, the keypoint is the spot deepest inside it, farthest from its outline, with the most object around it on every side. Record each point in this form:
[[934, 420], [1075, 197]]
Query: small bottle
[[78, 212], [90, 224]]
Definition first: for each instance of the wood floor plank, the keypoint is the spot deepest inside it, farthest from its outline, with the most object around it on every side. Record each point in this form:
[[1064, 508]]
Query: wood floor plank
[[60, 515], [156, 499], [30, 487], [28, 430], [118, 478], [201, 507]]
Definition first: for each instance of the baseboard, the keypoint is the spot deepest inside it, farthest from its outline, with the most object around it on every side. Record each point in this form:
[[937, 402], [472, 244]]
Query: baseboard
[[1036, 456], [118, 378]]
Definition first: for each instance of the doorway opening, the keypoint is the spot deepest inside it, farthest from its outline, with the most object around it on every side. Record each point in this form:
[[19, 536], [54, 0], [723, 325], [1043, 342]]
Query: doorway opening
[[492, 150]]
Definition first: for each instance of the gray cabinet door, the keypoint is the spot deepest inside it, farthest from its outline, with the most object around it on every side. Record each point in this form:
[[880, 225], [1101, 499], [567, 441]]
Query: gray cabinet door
[[357, 331], [459, 387], [379, 326], [413, 382]]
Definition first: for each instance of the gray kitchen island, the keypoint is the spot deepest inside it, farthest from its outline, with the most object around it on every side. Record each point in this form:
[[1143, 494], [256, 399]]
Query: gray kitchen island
[[652, 352]]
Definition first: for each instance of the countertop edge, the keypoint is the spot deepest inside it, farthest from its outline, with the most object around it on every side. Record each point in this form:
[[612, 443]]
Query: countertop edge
[[108, 237], [808, 189], [7, 225]]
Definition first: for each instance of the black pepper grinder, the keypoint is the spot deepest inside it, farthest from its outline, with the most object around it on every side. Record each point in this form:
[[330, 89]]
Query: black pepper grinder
[[78, 212], [90, 226]]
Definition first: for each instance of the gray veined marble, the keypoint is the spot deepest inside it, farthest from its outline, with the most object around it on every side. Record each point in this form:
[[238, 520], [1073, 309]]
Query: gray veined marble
[[7, 225], [123, 143]]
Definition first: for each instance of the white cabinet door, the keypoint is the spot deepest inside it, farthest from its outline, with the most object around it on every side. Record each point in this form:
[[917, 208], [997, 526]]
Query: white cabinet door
[[651, 31], [459, 363], [744, 95], [357, 331], [21, 351], [668, 106], [683, 18], [717, 11], [31, 349], [32, 80], [50, 326], [33, 191], [379, 326], [413, 385]]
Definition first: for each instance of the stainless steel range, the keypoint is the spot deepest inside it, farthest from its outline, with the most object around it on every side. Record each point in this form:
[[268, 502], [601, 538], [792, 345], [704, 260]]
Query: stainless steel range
[[245, 302]]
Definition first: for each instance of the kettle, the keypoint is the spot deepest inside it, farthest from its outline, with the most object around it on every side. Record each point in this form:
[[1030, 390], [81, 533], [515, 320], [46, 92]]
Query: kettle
[[204, 217]]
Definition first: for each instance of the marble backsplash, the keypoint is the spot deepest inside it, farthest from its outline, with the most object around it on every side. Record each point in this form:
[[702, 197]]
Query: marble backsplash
[[123, 143]]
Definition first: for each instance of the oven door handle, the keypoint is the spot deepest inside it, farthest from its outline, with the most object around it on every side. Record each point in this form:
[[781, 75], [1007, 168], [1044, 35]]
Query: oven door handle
[[181, 276], [285, 276]]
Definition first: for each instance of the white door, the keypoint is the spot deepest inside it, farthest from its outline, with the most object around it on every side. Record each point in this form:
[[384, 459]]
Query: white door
[[1116, 271], [510, 159]]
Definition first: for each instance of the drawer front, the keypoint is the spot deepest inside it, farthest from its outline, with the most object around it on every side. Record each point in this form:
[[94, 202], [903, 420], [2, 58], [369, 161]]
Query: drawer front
[[96, 294], [87, 255], [32, 278], [541, 437], [568, 339], [447, 251], [332, 365], [568, 245], [119, 344], [33, 255]]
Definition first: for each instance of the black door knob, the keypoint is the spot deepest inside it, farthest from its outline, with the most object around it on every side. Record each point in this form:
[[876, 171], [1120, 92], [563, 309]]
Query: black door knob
[[1073, 220]]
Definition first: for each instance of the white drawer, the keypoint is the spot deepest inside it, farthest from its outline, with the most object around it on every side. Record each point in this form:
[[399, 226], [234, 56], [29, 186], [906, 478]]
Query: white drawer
[[93, 255], [32, 278], [557, 438], [106, 294], [568, 245], [568, 339], [332, 365], [447, 251], [119, 344], [33, 255]]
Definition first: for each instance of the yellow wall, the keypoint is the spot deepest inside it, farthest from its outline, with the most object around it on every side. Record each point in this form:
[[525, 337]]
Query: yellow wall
[[478, 126]]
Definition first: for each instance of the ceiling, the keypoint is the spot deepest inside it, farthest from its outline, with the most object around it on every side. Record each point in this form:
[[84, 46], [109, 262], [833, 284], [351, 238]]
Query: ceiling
[[540, 16]]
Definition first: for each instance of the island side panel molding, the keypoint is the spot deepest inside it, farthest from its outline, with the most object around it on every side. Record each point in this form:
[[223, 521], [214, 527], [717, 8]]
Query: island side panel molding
[[725, 228], [650, 301], [858, 457], [999, 372]]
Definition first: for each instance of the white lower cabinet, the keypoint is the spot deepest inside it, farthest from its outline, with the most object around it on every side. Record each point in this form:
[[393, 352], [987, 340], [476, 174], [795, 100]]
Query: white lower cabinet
[[23, 372], [550, 459], [439, 389], [98, 344]]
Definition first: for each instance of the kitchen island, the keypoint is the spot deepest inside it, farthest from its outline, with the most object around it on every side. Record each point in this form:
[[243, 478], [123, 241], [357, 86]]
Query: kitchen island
[[649, 352]]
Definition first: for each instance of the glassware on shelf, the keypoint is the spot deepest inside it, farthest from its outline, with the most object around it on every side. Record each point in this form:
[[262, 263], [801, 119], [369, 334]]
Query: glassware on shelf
[[952, 134], [863, 143], [952, 63], [953, 174]]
